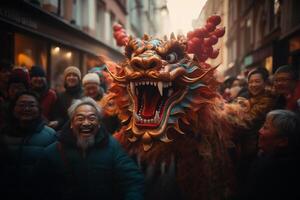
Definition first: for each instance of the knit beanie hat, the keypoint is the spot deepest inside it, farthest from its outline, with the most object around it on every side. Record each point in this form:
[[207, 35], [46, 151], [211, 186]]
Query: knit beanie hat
[[72, 69], [37, 71], [19, 75], [91, 78]]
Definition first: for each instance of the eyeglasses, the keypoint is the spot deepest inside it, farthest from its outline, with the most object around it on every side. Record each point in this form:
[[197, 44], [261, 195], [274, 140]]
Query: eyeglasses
[[282, 80], [26, 105]]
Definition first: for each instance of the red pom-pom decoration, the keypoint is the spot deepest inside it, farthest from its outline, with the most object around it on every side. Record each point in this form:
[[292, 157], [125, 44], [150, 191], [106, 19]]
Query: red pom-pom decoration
[[214, 54], [117, 27], [215, 19], [219, 32], [210, 27]]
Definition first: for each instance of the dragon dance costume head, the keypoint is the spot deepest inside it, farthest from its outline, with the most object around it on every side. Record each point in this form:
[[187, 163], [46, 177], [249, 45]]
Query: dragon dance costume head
[[163, 78]]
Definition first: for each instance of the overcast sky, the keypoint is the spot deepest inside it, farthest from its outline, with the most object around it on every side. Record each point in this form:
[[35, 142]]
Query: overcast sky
[[182, 12]]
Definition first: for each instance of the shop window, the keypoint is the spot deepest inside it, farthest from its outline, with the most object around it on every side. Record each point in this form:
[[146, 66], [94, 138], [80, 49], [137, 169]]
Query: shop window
[[30, 51], [61, 58], [269, 64]]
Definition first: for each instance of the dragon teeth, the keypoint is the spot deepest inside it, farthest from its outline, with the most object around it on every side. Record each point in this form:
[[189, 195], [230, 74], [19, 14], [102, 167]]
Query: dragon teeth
[[160, 85], [170, 92], [136, 116], [160, 88], [132, 88], [156, 118]]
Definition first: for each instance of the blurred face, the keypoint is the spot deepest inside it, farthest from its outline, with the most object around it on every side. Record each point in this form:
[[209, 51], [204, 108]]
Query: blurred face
[[269, 139], [85, 122], [256, 84], [15, 88], [4, 75], [26, 108], [92, 90], [283, 83], [38, 82], [235, 83], [72, 80]]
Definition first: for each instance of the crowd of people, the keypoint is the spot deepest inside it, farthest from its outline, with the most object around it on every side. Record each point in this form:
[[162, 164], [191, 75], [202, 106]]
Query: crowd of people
[[61, 137], [268, 149]]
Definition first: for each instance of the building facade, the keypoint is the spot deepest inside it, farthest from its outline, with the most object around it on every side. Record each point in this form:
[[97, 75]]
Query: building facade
[[147, 16], [259, 33], [55, 34], [263, 33]]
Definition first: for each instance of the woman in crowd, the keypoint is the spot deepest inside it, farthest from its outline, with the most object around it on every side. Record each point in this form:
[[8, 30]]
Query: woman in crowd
[[73, 90], [259, 104]]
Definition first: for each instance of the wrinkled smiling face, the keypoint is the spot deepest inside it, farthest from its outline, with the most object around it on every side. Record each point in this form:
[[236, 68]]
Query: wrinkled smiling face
[[85, 122]]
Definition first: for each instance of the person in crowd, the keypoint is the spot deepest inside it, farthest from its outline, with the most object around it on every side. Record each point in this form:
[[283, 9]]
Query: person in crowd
[[86, 162], [18, 81], [47, 96], [99, 67], [102, 74], [73, 90], [5, 71], [225, 88], [287, 87], [244, 88], [238, 88], [260, 101], [276, 169], [259, 104], [22, 143], [91, 87]]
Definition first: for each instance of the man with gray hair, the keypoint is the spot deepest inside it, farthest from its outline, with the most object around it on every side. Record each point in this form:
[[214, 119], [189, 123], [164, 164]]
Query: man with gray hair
[[276, 169], [280, 131], [86, 162]]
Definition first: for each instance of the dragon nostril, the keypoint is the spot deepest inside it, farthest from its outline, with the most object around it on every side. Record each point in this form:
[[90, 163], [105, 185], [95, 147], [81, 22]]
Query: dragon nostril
[[136, 64], [153, 64]]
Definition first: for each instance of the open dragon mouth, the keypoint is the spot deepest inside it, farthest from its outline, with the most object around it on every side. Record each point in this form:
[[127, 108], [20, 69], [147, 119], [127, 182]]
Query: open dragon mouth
[[151, 100]]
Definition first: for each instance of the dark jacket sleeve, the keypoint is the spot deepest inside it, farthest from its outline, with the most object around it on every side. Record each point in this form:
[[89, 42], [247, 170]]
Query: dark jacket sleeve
[[60, 111], [130, 179]]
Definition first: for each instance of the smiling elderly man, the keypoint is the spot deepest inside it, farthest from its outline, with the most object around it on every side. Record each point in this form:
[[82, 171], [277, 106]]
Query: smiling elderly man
[[87, 163]]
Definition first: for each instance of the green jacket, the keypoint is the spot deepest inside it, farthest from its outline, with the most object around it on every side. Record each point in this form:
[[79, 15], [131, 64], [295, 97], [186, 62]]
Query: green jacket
[[106, 172], [20, 151]]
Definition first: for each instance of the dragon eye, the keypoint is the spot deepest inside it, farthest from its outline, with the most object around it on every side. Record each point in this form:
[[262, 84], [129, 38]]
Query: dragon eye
[[172, 57]]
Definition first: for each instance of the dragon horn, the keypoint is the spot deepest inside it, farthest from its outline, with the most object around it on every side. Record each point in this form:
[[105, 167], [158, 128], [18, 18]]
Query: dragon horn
[[173, 37], [121, 79]]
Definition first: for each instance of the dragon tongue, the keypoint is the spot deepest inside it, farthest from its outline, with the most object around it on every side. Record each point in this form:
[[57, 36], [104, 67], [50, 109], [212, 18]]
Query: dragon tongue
[[149, 106]]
